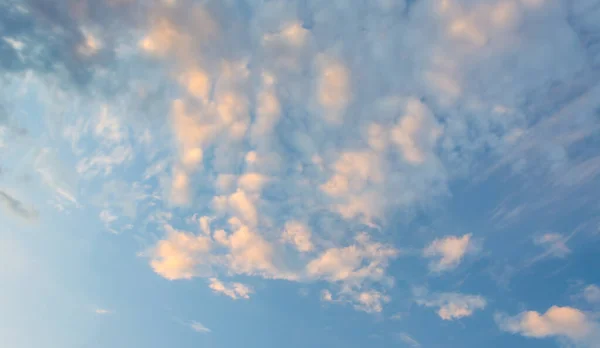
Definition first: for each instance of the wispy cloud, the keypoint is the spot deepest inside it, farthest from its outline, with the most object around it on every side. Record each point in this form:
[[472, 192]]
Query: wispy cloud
[[408, 340], [103, 311], [233, 290], [554, 243], [17, 207], [199, 327]]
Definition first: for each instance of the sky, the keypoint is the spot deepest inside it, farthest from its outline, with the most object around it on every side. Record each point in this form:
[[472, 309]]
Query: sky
[[299, 173]]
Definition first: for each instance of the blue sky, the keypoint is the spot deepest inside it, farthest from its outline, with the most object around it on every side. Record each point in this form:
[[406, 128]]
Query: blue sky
[[386, 173]]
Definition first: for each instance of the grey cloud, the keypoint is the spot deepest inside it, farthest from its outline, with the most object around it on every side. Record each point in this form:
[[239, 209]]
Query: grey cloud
[[17, 207], [51, 32]]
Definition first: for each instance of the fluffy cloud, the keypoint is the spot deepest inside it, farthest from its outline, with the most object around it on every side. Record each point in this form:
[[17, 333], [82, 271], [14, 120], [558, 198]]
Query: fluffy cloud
[[299, 235], [352, 264], [591, 293], [447, 252], [565, 322], [181, 255], [233, 290], [452, 306], [300, 130]]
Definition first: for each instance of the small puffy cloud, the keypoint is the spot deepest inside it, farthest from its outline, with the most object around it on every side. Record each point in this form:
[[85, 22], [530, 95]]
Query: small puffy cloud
[[326, 296], [591, 293], [299, 235], [559, 322], [554, 243], [180, 254], [233, 290], [250, 253], [447, 252], [199, 327], [333, 89], [416, 132], [370, 301], [353, 264], [452, 306]]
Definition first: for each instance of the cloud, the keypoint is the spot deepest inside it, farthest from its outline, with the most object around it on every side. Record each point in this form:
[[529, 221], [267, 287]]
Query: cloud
[[554, 243], [302, 129], [354, 263], [17, 207], [408, 340], [591, 293], [199, 327], [452, 306], [370, 301], [299, 235], [102, 311], [447, 252], [180, 256], [560, 322], [233, 290], [326, 296]]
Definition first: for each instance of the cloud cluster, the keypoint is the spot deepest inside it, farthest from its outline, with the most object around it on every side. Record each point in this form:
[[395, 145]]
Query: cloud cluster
[[291, 132]]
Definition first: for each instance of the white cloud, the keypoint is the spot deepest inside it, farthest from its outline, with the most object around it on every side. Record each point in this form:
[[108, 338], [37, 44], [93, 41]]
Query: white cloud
[[326, 296], [591, 293], [199, 327], [352, 264], [102, 311], [370, 301], [447, 253], [560, 322], [182, 255], [299, 235], [333, 89], [452, 306], [416, 132], [233, 290]]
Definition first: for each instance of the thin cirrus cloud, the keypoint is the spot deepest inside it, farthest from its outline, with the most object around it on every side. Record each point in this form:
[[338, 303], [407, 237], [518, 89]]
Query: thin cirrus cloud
[[554, 243], [199, 327], [103, 311]]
